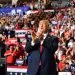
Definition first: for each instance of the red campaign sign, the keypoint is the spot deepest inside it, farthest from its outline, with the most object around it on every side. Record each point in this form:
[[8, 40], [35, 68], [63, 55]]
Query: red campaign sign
[[11, 41]]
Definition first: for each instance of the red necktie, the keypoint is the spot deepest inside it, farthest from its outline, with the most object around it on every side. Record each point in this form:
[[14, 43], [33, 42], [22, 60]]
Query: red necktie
[[40, 53], [41, 48]]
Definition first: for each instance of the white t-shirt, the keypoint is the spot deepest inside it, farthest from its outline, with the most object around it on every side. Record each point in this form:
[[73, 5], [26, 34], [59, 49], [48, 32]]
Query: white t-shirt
[[70, 44]]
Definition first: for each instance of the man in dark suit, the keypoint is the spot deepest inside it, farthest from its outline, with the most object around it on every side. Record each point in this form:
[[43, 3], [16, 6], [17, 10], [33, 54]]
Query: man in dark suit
[[41, 51]]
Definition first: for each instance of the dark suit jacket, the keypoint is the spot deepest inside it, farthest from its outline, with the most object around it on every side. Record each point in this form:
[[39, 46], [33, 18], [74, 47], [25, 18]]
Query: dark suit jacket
[[48, 64]]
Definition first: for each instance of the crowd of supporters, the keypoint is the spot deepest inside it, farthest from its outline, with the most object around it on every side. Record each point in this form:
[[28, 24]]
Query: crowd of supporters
[[62, 25]]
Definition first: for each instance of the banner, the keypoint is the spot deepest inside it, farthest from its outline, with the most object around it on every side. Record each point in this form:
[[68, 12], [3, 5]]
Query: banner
[[14, 11], [16, 70], [21, 33]]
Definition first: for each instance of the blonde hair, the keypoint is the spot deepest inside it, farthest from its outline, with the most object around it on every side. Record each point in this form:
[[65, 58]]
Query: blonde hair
[[45, 21]]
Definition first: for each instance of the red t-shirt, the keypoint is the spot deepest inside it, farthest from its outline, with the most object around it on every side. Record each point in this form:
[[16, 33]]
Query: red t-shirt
[[9, 58], [61, 66]]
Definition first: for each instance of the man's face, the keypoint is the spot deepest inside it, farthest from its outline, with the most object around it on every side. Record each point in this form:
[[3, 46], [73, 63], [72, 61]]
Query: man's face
[[43, 27]]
